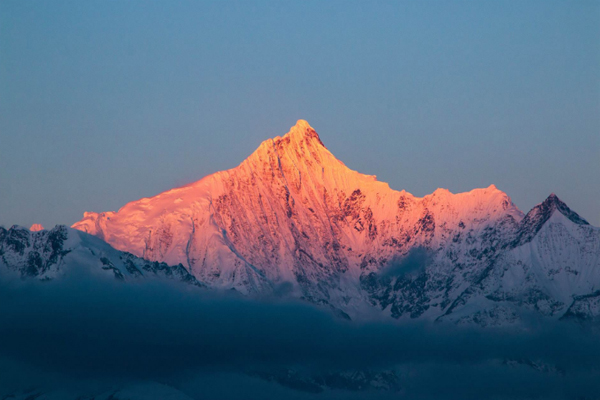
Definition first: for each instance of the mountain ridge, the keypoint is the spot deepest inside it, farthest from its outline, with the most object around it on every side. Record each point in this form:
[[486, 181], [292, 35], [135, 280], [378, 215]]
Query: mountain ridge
[[293, 213], [50, 254]]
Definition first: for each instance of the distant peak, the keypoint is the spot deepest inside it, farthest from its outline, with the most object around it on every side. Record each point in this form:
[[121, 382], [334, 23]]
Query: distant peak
[[36, 227]]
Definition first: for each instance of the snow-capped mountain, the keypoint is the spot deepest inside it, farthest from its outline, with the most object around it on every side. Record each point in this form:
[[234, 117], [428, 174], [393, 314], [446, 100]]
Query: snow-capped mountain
[[549, 264], [51, 254], [291, 213]]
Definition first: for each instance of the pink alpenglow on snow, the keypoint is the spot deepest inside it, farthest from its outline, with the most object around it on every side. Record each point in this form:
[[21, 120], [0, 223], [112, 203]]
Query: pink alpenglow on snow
[[293, 216], [36, 228], [290, 209]]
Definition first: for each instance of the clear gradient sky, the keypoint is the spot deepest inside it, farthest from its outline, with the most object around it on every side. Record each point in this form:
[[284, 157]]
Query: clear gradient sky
[[105, 102]]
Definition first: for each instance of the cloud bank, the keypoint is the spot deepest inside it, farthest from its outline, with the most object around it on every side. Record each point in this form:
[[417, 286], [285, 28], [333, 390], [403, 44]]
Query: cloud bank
[[87, 333]]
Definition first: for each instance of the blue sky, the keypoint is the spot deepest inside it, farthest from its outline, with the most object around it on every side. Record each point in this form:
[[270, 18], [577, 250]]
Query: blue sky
[[104, 102]]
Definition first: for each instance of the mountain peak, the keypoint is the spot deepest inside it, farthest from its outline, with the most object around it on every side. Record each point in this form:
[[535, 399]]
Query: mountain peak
[[301, 131], [36, 228], [552, 198], [553, 203], [540, 214], [301, 142], [303, 125]]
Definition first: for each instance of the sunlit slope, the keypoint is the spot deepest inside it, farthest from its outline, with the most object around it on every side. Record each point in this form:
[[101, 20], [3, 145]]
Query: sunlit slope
[[292, 212], [293, 218]]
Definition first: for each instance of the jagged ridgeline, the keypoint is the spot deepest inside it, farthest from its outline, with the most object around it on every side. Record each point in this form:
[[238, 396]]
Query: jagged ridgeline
[[293, 216], [51, 254]]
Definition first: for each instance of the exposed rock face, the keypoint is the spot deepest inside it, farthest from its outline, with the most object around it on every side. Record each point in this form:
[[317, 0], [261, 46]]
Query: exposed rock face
[[292, 212]]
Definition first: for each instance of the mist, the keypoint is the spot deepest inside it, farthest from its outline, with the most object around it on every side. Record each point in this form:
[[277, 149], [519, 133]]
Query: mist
[[409, 266]]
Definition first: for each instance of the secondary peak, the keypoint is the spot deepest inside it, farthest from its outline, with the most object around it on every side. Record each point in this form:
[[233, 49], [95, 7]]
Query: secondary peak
[[552, 203], [36, 228]]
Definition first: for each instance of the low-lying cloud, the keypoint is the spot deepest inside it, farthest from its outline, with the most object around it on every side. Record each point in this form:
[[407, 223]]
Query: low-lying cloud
[[410, 265], [83, 329]]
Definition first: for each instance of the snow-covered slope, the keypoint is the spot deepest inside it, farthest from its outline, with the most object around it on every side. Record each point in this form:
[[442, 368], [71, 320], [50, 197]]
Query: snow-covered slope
[[551, 265], [50, 254], [291, 212]]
